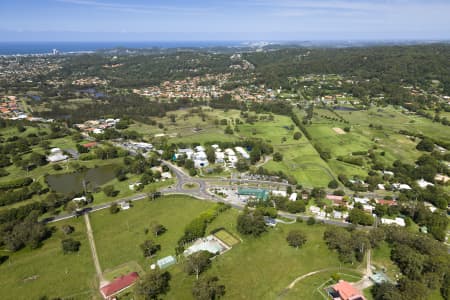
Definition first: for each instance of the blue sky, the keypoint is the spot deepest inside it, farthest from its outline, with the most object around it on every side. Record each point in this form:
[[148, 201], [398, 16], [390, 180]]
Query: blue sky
[[139, 20]]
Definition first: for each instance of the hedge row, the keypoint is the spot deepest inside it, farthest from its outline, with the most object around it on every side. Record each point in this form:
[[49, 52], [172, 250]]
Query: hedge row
[[17, 183]]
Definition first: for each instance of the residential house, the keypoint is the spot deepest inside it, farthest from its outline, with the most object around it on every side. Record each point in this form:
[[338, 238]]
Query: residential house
[[118, 285], [56, 155], [397, 221], [293, 197], [345, 291]]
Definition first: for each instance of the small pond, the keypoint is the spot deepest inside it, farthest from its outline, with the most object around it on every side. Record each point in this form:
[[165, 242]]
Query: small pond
[[73, 182]]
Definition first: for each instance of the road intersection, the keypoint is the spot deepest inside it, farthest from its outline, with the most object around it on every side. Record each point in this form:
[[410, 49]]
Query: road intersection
[[200, 191]]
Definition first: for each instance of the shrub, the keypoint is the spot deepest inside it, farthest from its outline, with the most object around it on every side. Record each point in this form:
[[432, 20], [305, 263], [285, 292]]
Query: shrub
[[70, 245]]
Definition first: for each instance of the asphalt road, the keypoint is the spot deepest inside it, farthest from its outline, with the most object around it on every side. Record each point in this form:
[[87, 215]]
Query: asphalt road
[[199, 191]]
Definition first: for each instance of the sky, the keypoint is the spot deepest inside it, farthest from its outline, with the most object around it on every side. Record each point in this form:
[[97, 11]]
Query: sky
[[225, 20]]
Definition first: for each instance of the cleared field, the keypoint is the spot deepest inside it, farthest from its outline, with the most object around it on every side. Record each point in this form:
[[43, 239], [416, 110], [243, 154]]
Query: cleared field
[[370, 132], [118, 236], [338, 144], [398, 120], [270, 131], [30, 274], [313, 287], [122, 270], [226, 237], [303, 162], [260, 268], [350, 170]]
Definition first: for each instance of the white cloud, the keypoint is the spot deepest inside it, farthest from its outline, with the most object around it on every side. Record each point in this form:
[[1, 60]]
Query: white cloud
[[132, 8]]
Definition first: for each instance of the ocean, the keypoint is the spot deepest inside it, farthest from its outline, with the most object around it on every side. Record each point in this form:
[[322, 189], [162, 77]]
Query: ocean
[[23, 48]]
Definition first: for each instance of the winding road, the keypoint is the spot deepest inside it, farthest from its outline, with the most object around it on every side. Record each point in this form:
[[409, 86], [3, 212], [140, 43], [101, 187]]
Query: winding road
[[201, 192]]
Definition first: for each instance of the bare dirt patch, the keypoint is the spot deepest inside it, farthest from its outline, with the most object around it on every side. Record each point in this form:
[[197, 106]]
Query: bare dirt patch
[[339, 130]]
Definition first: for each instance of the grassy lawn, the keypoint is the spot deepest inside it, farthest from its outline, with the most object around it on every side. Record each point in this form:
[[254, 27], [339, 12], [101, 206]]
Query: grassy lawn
[[350, 170], [381, 260], [118, 236], [268, 263], [30, 274], [388, 144], [312, 288], [303, 162], [338, 144], [260, 268]]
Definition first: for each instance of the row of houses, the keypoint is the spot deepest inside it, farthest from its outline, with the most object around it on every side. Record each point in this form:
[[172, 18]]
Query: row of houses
[[201, 87], [96, 126], [229, 156]]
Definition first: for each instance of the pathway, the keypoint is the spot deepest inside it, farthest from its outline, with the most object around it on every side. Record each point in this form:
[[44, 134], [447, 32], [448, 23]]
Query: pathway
[[90, 235], [365, 282]]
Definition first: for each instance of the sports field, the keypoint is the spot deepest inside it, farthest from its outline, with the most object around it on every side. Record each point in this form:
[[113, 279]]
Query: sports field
[[226, 237]]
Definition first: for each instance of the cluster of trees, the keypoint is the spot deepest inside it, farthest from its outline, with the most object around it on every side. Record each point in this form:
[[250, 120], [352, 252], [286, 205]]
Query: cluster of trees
[[251, 222], [197, 227], [17, 234], [351, 245], [284, 204], [156, 282], [275, 175], [358, 216], [296, 238], [16, 195], [423, 261], [371, 63], [70, 245]]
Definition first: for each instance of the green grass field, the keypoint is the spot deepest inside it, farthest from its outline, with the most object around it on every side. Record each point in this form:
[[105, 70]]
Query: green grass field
[[313, 287], [30, 274], [260, 268], [118, 236], [388, 144], [303, 162], [124, 269]]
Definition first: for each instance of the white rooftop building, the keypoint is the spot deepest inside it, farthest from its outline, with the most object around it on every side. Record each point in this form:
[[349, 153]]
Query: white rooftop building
[[423, 183], [230, 152], [381, 186], [397, 221], [220, 157], [293, 197], [200, 159], [242, 152], [200, 149], [279, 193], [401, 186], [363, 200], [56, 155], [187, 152], [124, 205], [210, 244], [79, 199]]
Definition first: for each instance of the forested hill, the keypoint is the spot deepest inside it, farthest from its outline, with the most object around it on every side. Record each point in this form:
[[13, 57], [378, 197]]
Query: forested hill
[[389, 64]]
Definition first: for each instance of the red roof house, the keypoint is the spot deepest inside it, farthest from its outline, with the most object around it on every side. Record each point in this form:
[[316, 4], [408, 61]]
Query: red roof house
[[119, 284], [387, 202], [337, 200], [347, 292], [90, 145]]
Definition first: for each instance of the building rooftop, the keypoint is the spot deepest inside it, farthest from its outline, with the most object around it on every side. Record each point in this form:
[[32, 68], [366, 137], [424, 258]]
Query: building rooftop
[[260, 194], [119, 284], [347, 291]]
